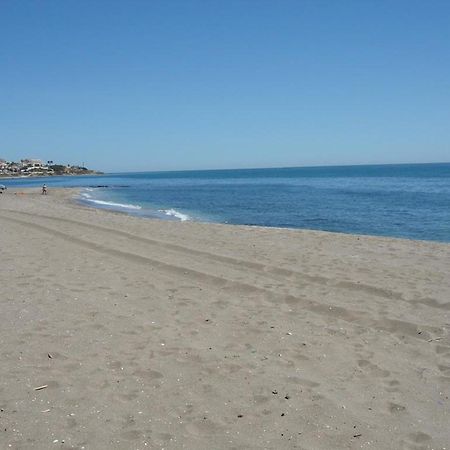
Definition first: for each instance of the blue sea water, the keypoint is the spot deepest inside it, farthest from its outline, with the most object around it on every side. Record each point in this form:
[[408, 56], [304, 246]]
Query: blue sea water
[[407, 200]]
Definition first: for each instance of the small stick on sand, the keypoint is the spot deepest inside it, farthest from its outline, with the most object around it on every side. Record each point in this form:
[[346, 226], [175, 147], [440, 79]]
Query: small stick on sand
[[41, 387]]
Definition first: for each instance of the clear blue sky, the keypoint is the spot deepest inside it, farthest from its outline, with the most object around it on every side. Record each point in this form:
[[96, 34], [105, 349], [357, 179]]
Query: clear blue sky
[[160, 85]]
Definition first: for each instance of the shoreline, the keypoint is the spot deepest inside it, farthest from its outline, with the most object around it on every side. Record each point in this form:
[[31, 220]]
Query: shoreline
[[397, 216], [65, 195], [339, 233], [162, 334]]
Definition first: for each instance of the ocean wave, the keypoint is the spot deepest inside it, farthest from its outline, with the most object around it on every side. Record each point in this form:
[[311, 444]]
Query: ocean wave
[[175, 213], [112, 204]]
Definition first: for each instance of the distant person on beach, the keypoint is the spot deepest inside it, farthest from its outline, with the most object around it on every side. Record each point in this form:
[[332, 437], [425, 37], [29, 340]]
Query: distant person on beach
[[44, 189]]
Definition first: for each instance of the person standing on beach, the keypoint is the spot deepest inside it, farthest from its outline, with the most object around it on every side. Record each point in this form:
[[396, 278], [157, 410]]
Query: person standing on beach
[[44, 189]]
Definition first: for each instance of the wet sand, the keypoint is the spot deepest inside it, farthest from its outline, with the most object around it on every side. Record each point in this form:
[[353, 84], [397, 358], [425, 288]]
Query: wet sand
[[150, 334]]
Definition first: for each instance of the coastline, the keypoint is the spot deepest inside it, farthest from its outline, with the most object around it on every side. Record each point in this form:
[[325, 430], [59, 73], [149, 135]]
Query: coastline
[[187, 334], [33, 177], [403, 201]]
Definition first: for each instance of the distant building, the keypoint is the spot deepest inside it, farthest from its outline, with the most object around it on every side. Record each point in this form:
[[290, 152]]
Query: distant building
[[36, 163], [36, 167], [14, 167]]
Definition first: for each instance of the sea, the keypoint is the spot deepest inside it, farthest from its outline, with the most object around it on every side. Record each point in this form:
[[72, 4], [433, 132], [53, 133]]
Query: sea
[[405, 200]]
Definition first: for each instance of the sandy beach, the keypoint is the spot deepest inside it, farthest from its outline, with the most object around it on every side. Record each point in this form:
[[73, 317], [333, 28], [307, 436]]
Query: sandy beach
[[126, 333]]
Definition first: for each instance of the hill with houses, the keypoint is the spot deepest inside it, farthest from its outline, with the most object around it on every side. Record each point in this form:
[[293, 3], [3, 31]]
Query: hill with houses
[[36, 167]]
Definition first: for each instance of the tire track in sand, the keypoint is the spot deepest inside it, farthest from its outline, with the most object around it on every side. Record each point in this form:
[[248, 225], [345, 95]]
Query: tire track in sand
[[277, 273], [357, 317]]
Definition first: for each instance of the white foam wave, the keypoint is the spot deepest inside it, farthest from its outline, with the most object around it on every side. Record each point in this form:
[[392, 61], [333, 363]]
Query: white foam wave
[[85, 195], [113, 204], [175, 213]]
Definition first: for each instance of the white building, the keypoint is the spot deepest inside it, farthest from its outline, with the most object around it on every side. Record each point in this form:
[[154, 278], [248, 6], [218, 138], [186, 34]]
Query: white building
[[32, 163]]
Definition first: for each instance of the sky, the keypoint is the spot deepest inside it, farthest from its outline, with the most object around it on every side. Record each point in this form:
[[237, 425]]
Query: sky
[[174, 85]]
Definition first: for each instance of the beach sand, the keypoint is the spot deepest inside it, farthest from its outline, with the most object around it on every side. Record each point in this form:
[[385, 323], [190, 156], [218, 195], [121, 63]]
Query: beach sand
[[151, 334]]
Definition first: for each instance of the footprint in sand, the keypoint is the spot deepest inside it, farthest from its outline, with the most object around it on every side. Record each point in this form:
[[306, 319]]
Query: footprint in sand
[[443, 351], [71, 423], [392, 385], [445, 370], [416, 441], [303, 382], [131, 435], [204, 427], [395, 408], [373, 368], [258, 399], [115, 365], [163, 438], [151, 377]]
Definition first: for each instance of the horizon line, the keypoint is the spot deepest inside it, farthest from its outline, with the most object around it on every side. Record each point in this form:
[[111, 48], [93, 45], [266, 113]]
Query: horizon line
[[283, 167]]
